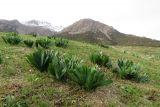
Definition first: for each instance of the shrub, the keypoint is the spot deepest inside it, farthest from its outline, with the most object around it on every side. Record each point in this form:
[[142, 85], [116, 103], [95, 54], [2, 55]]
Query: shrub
[[14, 40], [29, 43], [101, 59], [88, 78], [40, 59], [59, 42], [45, 43], [58, 67], [126, 69]]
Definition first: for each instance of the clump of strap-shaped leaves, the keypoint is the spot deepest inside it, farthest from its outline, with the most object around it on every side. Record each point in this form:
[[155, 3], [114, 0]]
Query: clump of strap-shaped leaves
[[127, 69], [12, 39], [60, 42], [29, 43], [40, 59], [67, 69], [101, 59], [88, 78], [43, 42], [62, 65]]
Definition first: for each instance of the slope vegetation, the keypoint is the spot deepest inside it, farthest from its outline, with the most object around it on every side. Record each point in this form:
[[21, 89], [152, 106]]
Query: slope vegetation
[[26, 84]]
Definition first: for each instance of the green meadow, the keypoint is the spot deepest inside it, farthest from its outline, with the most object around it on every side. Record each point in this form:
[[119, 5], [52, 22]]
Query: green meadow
[[24, 85]]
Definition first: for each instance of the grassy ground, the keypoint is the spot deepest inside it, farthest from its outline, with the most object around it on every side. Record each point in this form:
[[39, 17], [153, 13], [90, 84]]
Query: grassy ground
[[18, 78]]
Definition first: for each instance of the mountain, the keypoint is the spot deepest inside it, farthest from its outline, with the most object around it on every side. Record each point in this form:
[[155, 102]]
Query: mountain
[[43, 24], [83, 30], [16, 26], [96, 32], [88, 25]]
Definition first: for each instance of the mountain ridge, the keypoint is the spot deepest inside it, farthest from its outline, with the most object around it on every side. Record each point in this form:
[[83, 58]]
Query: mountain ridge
[[99, 32], [87, 30], [16, 26], [43, 24], [86, 25]]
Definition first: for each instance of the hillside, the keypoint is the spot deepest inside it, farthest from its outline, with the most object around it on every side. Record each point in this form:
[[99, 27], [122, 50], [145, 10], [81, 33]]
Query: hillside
[[97, 32], [37, 89], [16, 26]]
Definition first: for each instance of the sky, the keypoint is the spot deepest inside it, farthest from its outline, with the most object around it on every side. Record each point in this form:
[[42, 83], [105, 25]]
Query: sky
[[138, 17]]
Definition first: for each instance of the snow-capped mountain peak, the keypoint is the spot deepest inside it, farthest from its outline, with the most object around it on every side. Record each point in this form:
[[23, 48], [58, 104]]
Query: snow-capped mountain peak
[[43, 24]]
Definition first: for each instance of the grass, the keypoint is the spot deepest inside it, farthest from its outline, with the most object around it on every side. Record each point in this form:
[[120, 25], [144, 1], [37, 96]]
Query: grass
[[25, 83], [0, 58]]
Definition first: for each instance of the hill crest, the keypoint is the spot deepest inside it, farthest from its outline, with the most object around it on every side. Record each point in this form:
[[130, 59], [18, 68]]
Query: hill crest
[[96, 32]]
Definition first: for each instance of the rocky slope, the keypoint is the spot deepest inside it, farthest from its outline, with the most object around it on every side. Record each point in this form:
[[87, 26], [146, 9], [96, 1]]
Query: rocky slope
[[89, 25], [97, 32]]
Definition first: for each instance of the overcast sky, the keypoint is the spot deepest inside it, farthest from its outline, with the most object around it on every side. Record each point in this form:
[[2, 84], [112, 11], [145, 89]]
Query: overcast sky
[[139, 17]]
